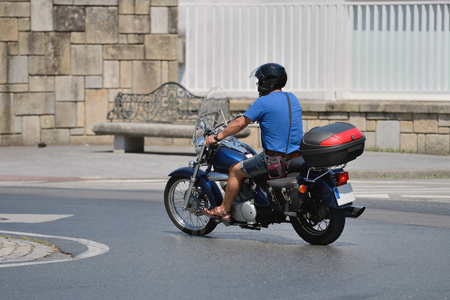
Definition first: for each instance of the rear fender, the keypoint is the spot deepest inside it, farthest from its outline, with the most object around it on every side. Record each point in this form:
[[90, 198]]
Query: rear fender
[[209, 187], [324, 188]]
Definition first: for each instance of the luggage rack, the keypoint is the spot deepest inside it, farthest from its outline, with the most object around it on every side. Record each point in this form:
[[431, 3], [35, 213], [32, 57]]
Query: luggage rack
[[329, 169]]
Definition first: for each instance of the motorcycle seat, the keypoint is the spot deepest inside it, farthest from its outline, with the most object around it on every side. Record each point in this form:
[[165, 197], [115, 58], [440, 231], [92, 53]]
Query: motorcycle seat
[[297, 164]]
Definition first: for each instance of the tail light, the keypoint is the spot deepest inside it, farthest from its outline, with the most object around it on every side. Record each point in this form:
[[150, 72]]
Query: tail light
[[341, 178]]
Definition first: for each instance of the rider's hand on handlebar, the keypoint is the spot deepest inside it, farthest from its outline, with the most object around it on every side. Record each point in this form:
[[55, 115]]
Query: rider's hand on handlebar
[[210, 140]]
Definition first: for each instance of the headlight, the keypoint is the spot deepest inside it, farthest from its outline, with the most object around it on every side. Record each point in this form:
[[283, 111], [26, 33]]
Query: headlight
[[199, 144]]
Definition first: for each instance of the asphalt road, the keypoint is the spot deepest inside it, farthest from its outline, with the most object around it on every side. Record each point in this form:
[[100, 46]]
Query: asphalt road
[[398, 249]]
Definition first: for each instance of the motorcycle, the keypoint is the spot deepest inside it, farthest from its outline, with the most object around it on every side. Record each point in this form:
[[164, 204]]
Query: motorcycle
[[315, 196]]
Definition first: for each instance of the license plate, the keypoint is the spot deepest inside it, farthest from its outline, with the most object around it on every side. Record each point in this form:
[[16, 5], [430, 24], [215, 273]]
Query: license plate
[[344, 194]]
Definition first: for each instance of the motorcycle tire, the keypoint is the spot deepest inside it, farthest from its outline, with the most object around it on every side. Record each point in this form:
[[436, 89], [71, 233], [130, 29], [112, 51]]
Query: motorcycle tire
[[319, 224], [192, 220]]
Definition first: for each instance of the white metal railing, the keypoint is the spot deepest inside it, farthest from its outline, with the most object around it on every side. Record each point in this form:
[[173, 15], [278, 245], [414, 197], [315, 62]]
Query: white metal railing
[[336, 50]]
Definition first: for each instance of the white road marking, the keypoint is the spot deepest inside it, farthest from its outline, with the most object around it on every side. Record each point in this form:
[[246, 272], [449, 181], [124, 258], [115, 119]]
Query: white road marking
[[30, 218], [407, 182], [377, 196], [427, 196], [94, 249], [433, 190]]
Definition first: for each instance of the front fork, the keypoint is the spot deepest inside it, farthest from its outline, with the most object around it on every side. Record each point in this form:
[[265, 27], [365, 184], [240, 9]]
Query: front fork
[[191, 186], [193, 177]]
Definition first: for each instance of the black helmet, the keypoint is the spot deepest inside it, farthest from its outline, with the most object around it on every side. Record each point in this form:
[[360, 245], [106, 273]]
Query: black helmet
[[270, 77]]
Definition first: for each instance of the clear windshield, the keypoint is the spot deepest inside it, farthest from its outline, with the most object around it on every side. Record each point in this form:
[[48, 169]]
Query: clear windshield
[[213, 111]]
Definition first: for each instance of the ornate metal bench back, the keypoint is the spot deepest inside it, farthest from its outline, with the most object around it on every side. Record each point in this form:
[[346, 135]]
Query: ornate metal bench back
[[170, 103]]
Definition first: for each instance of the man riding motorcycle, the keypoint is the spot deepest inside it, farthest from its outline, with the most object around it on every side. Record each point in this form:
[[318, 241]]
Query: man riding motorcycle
[[280, 118]]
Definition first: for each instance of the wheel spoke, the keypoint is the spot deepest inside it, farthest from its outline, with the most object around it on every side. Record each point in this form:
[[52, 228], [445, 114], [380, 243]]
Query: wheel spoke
[[191, 218], [315, 221]]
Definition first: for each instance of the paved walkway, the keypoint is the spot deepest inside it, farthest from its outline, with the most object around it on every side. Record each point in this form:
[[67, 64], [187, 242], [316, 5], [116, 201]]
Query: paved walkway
[[74, 163], [17, 250]]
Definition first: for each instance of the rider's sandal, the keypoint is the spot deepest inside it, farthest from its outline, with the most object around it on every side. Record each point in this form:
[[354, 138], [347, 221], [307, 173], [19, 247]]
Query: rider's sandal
[[224, 215]]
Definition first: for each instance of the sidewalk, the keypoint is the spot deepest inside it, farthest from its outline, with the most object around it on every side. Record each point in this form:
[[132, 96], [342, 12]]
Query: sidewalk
[[99, 162]]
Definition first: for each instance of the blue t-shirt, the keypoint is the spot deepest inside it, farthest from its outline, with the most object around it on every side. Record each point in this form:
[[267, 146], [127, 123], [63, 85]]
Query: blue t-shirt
[[272, 113]]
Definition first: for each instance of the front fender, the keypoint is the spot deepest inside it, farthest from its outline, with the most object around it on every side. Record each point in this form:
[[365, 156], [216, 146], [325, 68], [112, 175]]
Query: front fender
[[209, 187]]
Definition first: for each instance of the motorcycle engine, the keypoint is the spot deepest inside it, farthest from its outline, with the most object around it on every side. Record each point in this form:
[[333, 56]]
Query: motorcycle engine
[[243, 211]]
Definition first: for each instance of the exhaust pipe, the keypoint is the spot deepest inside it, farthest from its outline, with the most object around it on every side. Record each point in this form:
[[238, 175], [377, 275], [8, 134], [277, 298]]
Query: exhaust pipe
[[354, 211]]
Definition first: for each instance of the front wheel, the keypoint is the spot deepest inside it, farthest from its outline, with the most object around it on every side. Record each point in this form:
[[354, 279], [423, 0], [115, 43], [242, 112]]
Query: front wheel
[[319, 224], [192, 220]]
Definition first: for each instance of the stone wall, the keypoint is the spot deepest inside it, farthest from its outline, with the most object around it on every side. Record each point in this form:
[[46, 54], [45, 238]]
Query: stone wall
[[415, 127], [63, 61]]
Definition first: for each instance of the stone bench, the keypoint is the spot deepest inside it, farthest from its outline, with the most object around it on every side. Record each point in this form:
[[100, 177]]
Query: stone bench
[[169, 111]]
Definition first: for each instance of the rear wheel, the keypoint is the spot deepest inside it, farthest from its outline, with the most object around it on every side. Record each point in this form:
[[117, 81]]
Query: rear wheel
[[192, 220], [318, 223]]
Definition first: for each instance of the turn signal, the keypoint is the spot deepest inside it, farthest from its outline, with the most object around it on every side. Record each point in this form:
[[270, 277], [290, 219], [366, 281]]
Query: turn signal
[[302, 189], [341, 178]]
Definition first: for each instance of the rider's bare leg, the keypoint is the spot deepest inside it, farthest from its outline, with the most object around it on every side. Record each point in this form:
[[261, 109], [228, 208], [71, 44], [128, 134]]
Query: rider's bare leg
[[236, 176]]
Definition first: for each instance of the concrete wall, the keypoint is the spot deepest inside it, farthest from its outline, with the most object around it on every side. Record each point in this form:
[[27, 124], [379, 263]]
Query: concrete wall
[[63, 61]]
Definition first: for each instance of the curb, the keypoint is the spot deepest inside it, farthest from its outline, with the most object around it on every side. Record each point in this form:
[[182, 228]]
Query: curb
[[400, 174]]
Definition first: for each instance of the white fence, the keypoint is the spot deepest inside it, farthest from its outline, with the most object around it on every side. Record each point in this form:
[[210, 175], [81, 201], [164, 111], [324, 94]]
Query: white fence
[[338, 50]]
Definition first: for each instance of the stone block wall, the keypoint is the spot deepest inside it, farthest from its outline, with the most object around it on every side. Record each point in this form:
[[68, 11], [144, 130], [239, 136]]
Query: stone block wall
[[415, 127], [63, 61]]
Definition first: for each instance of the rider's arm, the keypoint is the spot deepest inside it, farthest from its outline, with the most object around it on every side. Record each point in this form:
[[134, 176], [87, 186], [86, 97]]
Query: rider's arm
[[235, 127]]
